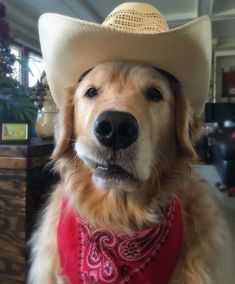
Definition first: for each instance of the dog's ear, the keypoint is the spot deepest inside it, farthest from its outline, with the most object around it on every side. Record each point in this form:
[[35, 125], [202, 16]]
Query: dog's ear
[[188, 126], [64, 125]]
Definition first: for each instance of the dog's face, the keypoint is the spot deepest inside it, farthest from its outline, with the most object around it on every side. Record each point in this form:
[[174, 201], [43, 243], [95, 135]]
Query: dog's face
[[124, 123], [124, 128]]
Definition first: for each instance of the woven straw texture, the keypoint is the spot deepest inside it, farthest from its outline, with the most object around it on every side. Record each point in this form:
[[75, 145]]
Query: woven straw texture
[[131, 19]]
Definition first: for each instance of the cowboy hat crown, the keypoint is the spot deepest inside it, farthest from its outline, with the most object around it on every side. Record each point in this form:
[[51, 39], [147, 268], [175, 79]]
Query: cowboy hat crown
[[133, 32]]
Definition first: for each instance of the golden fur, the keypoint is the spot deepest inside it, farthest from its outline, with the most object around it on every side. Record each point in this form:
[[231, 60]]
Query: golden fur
[[161, 159]]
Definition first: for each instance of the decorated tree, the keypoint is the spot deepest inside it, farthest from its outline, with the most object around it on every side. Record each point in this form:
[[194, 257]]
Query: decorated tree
[[7, 59], [15, 103]]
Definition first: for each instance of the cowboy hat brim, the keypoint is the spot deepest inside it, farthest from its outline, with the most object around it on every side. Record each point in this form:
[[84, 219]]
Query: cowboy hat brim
[[71, 46]]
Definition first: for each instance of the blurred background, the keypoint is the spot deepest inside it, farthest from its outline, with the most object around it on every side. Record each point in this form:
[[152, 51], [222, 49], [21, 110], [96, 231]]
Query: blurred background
[[25, 99]]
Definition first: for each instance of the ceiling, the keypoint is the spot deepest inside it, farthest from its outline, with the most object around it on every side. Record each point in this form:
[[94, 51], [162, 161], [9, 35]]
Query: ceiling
[[23, 14]]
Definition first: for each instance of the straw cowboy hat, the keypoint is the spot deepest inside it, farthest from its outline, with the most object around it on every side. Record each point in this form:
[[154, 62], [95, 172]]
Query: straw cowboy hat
[[133, 32]]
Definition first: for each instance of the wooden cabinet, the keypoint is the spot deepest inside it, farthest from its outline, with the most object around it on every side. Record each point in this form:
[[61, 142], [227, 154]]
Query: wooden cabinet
[[24, 181]]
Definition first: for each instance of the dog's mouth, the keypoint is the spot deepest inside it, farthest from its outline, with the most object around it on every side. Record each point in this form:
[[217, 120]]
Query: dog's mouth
[[111, 171]]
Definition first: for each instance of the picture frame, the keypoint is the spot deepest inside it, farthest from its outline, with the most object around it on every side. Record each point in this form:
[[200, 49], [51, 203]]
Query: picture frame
[[223, 77], [228, 84], [14, 133]]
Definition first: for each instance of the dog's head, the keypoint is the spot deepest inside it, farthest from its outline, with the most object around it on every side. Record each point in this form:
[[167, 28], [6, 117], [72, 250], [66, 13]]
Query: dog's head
[[127, 123]]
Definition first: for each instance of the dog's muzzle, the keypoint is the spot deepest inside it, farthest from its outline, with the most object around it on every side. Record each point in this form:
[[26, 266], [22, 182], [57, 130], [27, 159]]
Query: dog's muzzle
[[116, 129]]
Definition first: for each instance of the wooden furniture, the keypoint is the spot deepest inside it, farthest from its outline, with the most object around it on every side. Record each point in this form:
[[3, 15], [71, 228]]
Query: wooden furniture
[[24, 180]]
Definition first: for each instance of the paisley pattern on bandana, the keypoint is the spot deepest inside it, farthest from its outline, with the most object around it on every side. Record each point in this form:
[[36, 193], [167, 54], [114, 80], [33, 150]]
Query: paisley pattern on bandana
[[93, 255], [104, 253]]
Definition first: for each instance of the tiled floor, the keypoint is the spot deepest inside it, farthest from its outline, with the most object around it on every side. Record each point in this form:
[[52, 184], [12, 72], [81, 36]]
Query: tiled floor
[[227, 203], [210, 173]]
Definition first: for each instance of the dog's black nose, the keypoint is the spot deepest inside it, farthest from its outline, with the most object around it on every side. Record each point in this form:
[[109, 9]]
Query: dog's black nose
[[116, 129]]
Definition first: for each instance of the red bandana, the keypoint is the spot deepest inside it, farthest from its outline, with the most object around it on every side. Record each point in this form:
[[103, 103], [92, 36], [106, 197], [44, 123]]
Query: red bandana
[[96, 256]]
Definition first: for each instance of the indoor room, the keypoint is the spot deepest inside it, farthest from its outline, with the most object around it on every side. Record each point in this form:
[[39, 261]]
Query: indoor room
[[117, 141]]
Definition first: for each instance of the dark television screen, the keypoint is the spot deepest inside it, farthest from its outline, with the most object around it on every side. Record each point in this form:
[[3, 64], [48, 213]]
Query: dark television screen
[[219, 112]]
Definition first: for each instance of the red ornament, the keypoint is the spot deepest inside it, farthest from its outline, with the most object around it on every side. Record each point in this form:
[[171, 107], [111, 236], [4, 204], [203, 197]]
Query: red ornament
[[2, 10], [4, 28]]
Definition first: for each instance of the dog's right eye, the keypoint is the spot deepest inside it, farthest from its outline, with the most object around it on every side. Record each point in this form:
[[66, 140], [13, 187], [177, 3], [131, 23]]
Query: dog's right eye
[[154, 94], [91, 92]]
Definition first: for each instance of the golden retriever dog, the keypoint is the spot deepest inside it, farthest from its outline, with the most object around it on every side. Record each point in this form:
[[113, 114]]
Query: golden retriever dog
[[124, 148]]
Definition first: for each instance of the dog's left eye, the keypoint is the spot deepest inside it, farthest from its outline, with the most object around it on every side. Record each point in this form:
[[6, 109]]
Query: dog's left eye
[[154, 94], [91, 92]]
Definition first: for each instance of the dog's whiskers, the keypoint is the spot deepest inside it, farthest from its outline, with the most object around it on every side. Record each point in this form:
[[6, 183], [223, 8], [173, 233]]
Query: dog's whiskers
[[163, 156], [71, 140], [77, 162], [127, 162], [155, 177], [124, 158]]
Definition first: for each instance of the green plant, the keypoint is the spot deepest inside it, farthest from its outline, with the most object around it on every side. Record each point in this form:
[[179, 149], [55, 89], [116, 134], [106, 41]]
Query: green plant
[[14, 98], [16, 101]]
